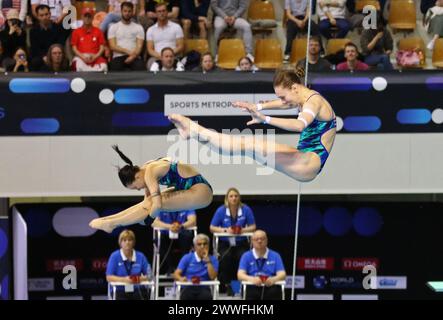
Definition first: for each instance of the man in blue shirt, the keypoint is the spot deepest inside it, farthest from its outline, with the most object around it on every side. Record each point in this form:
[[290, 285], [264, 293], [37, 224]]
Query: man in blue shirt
[[197, 266], [176, 240], [263, 267], [129, 266]]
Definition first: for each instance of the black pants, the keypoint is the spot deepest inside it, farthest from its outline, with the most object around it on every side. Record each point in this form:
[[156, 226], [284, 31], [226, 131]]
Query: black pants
[[263, 293], [140, 293], [177, 249], [292, 29], [229, 260], [118, 64], [195, 293]]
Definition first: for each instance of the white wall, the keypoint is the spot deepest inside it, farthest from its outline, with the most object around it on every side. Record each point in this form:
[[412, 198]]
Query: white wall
[[84, 166]]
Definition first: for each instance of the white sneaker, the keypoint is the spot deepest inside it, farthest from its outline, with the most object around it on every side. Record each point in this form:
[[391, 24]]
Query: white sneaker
[[286, 58], [216, 58], [250, 56], [430, 45]]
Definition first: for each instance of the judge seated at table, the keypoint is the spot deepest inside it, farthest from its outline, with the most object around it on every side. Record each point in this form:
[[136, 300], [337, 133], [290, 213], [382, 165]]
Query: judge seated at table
[[195, 267]]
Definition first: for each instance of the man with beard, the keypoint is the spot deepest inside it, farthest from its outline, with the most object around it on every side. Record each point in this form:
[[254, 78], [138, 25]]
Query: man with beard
[[316, 63], [126, 40]]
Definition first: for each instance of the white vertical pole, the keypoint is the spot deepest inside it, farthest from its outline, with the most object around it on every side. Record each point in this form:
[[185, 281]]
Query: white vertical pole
[[297, 216]]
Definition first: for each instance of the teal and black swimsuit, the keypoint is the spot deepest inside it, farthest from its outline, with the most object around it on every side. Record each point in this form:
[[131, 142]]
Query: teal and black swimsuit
[[173, 179], [310, 138]]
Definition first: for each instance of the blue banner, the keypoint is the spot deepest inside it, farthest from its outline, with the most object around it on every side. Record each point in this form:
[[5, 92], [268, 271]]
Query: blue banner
[[135, 103]]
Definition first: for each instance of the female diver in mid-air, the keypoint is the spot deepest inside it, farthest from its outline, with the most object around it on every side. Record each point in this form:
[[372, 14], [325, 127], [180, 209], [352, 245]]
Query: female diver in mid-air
[[188, 190], [316, 122]]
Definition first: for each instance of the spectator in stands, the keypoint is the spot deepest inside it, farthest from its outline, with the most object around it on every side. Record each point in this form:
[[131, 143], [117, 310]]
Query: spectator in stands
[[150, 16], [20, 5], [21, 63], [176, 239], [246, 64], [234, 217], [12, 37], [58, 9], [126, 40], [377, 45], [262, 267], [56, 60], [167, 62], [352, 63], [197, 266], [228, 13], [114, 13], [43, 35], [434, 23], [316, 63], [194, 13], [128, 266], [163, 34], [88, 44], [332, 15], [298, 13], [207, 63]]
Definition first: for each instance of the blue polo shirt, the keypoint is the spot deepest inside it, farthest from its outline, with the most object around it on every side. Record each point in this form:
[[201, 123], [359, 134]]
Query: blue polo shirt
[[119, 265], [179, 216], [191, 265], [170, 217], [269, 265], [222, 218]]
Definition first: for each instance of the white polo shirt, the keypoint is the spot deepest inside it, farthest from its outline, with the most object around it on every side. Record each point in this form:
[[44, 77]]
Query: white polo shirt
[[126, 35], [164, 37]]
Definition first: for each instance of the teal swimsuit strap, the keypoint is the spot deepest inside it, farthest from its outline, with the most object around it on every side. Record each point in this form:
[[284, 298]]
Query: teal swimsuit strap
[[318, 94], [314, 94], [174, 166]]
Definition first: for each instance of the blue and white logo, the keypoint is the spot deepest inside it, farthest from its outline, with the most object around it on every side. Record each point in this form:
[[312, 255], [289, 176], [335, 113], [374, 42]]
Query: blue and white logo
[[2, 113], [319, 282], [299, 282], [391, 282]]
